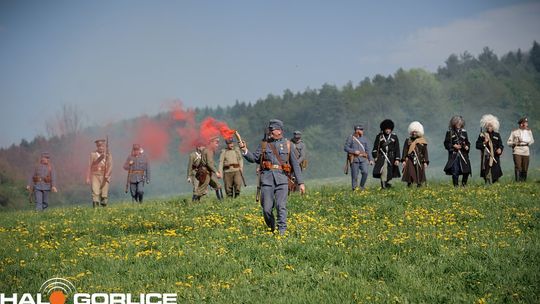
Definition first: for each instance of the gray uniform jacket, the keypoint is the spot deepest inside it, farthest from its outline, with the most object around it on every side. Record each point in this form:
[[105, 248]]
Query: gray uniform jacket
[[300, 152], [275, 177], [352, 145], [41, 171], [140, 170]]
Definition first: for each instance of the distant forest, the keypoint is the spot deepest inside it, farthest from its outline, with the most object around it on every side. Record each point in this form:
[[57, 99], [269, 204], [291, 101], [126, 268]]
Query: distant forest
[[507, 87]]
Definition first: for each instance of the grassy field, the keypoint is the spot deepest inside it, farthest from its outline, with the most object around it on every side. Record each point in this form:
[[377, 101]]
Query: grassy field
[[430, 245]]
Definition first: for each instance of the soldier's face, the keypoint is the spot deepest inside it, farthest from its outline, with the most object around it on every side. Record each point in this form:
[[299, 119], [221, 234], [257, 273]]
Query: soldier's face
[[387, 131], [524, 125], [276, 133], [489, 128], [44, 160], [214, 144], [136, 152], [230, 146], [414, 134], [101, 148], [360, 132]]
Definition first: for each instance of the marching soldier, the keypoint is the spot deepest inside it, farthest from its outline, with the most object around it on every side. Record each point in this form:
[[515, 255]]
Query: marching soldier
[[490, 144], [415, 156], [457, 143], [358, 157], [520, 139], [207, 173], [99, 173], [300, 150], [386, 153], [42, 182], [277, 164], [231, 166], [195, 158], [138, 173]]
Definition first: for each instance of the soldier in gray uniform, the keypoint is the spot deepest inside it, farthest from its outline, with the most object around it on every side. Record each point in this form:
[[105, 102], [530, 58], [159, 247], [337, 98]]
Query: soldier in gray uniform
[[42, 182], [138, 173], [300, 152], [357, 149], [276, 160]]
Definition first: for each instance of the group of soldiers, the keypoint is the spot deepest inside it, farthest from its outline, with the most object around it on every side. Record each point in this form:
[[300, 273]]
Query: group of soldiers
[[281, 162], [386, 157]]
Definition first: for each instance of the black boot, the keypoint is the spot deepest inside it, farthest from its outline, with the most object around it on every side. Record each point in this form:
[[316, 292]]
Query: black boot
[[517, 174], [464, 180], [522, 176], [141, 197], [455, 180], [219, 194]]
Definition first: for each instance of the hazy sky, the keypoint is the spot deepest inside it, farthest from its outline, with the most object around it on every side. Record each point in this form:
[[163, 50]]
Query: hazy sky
[[121, 59]]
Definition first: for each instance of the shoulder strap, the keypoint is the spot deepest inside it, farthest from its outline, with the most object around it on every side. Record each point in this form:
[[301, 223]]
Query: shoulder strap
[[359, 142], [276, 154], [263, 150]]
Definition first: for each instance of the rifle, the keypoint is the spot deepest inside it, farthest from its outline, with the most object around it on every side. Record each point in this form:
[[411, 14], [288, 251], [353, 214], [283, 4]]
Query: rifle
[[239, 138], [31, 195], [127, 179], [105, 169]]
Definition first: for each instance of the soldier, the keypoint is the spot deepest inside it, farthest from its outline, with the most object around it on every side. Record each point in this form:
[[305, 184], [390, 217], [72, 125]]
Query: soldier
[[415, 156], [207, 173], [457, 143], [42, 182], [386, 153], [490, 144], [138, 173], [276, 161], [99, 173], [231, 166], [520, 139], [358, 157], [299, 152], [195, 158]]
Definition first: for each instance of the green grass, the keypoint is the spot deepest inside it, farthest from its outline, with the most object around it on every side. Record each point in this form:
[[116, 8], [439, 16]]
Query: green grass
[[431, 245]]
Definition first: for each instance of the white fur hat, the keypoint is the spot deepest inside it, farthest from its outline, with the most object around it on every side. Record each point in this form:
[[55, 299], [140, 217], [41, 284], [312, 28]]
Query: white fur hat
[[416, 126], [489, 119]]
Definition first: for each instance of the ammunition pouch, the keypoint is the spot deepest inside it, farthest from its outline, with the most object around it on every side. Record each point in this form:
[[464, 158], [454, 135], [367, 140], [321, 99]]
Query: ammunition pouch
[[201, 174], [37, 179], [267, 165], [231, 166], [353, 156], [304, 164]]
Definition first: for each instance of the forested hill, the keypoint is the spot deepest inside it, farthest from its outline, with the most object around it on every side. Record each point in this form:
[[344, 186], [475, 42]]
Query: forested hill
[[507, 87]]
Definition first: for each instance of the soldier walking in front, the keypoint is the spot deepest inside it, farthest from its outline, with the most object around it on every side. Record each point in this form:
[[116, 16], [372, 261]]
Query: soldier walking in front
[[138, 173], [231, 166], [99, 173], [386, 153], [358, 157], [491, 147], [207, 173], [520, 139], [415, 156], [195, 158], [457, 143], [277, 165], [42, 182]]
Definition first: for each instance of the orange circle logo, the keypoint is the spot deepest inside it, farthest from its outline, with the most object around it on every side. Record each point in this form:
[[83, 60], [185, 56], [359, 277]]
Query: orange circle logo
[[57, 297]]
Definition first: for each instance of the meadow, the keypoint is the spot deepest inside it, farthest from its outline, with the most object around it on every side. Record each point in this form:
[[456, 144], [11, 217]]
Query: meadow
[[435, 244]]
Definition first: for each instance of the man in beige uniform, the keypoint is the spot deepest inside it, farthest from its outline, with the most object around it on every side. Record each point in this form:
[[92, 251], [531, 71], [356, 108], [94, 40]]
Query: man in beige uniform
[[520, 139], [230, 167], [195, 158], [99, 173], [207, 173]]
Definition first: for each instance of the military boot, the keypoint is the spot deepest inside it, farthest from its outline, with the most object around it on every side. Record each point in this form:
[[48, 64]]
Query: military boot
[[104, 202], [141, 197], [455, 180], [522, 176], [95, 204], [517, 175]]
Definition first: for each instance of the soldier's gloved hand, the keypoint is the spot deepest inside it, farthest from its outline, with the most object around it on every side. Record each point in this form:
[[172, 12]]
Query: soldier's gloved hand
[[53, 189], [189, 180], [396, 163]]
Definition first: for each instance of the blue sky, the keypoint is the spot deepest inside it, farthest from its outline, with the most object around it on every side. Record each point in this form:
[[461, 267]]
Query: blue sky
[[122, 59]]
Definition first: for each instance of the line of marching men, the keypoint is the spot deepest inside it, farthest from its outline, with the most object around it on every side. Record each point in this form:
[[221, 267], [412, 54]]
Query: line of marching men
[[281, 162]]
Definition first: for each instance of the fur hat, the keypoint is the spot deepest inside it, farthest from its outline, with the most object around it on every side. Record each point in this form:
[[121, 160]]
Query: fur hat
[[387, 124], [489, 119], [455, 120], [523, 119], [416, 126]]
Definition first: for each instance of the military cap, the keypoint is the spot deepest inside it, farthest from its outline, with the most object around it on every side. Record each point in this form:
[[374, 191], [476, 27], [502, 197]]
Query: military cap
[[212, 138], [229, 141], [100, 141], [359, 127], [387, 124], [297, 133], [523, 119], [275, 124], [136, 147], [45, 155]]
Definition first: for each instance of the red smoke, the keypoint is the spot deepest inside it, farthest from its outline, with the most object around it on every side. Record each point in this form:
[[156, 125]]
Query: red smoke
[[192, 135], [153, 137]]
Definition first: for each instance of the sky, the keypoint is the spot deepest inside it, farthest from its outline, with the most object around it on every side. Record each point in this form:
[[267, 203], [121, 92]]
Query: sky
[[116, 60]]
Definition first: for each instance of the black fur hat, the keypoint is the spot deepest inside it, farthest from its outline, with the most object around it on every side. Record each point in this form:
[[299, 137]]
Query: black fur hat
[[387, 124]]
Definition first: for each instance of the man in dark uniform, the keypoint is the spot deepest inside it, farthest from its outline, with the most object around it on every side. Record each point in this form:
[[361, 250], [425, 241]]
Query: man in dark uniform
[[138, 173], [277, 163], [299, 149], [386, 153], [457, 143], [42, 182], [491, 147], [357, 148]]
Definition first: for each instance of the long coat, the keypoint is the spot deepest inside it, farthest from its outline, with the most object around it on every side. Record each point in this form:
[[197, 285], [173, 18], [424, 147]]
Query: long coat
[[414, 170], [462, 155], [389, 144], [496, 171]]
